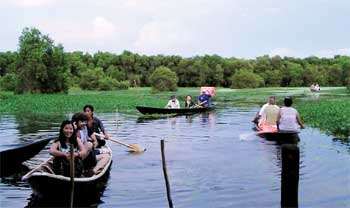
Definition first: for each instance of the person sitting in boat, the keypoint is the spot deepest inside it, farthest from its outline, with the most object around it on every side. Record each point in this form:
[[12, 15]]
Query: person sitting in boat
[[269, 116], [258, 116], [189, 103], [94, 125], [173, 102], [60, 149], [89, 159], [288, 117], [204, 99]]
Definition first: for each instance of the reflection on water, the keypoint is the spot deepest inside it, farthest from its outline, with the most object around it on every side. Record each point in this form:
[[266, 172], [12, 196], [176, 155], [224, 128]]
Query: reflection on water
[[208, 164]]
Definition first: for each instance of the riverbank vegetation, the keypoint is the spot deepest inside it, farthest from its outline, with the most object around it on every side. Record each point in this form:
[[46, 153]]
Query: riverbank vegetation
[[40, 66], [328, 110]]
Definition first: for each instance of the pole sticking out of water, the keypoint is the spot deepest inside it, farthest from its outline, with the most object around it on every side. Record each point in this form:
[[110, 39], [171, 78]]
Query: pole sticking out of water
[[72, 172], [290, 175], [166, 175]]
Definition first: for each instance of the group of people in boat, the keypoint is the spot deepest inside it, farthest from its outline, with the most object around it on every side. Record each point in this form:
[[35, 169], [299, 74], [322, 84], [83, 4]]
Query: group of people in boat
[[272, 118], [90, 154], [315, 87], [202, 101]]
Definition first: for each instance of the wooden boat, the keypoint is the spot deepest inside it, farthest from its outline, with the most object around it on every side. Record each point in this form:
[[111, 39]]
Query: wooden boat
[[179, 111], [47, 184], [278, 136], [12, 158]]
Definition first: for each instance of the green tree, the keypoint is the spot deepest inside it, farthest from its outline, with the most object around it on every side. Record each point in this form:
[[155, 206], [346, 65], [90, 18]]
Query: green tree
[[41, 64], [246, 79], [8, 82], [90, 79], [163, 79]]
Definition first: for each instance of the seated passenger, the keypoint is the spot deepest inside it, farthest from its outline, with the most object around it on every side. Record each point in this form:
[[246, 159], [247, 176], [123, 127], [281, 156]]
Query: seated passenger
[[94, 125], [204, 99], [173, 103], [60, 149], [189, 103]]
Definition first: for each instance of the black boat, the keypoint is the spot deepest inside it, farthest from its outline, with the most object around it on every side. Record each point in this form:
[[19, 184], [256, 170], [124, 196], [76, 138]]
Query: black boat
[[278, 136], [177, 111], [12, 158], [46, 184]]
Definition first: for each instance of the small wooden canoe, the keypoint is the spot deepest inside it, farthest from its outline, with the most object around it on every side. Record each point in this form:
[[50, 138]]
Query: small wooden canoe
[[45, 182], [12, 158], [278, 136], [178, 111]]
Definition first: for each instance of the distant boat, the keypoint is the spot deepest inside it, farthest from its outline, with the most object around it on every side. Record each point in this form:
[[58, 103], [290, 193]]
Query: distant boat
[[45, 182], [12, 158], [178, 111]]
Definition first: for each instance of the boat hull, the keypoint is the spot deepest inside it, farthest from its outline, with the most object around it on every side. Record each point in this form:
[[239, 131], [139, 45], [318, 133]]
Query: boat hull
[[180, 111], [12, 158], [50, 189]]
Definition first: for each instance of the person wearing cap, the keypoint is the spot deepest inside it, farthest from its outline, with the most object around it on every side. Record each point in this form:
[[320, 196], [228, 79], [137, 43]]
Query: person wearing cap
[[173, 102], [288, 117], [204, 99]]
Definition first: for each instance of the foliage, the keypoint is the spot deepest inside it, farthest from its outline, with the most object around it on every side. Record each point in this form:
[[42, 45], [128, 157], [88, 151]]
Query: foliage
[[246, 79], [337, 111], [90, 78], [41, 65], [8, 82], [163, 79]]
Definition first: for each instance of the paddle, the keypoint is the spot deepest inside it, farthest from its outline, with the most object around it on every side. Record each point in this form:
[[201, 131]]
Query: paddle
[[132, 147]]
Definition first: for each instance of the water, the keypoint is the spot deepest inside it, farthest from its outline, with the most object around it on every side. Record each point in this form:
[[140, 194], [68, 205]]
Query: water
[[213, 160]]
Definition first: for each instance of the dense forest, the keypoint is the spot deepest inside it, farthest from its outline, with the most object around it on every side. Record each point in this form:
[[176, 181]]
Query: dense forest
[[41, 66]]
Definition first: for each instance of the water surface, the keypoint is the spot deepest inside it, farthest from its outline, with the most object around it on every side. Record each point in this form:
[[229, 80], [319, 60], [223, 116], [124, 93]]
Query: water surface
[[213, 160]]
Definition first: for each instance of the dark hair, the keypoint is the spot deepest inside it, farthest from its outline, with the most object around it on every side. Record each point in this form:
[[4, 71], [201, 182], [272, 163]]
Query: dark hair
[[172, 97], [79, 117], [62, 138], [288, 101], [89, 106]]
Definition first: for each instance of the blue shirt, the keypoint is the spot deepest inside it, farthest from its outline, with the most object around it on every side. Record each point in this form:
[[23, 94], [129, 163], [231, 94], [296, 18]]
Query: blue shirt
[[204, 97]]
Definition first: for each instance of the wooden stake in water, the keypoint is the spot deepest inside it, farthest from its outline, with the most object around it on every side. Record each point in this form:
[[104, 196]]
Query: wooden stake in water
[[166, 175], [72, 172], [290, 175]]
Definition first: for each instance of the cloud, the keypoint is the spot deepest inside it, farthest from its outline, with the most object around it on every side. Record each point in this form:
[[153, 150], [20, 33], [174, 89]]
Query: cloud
[[33, 3], [102, 28], [324, 53], [163, 37]]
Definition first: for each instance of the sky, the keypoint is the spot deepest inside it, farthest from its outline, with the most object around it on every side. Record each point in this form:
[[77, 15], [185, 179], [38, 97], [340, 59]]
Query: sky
[[228, 28]]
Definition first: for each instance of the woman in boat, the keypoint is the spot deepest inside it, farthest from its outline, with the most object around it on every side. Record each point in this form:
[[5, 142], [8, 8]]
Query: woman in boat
[[189, 103], [60, 149], [94, 125], [173, 102], [288, 117]]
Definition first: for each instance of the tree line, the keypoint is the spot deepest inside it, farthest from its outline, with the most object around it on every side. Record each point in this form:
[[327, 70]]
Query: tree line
[[41, 66]]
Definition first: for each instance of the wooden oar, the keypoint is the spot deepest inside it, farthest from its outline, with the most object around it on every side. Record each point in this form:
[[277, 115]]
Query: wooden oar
[[132, 147]]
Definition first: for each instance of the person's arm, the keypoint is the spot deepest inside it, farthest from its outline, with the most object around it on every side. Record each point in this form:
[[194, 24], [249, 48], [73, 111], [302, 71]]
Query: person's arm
[[299, 121], [102, 129], [278, 119], [82, 149], [94, 140], [54, 151], [168, 104]]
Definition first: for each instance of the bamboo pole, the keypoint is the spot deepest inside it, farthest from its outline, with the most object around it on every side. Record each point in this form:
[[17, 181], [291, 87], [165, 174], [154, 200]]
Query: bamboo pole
[[166, 175], [72, 172]]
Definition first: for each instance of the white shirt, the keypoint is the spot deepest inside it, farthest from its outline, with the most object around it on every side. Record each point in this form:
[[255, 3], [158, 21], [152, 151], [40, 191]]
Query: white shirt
[[172, 104], [288, 120]]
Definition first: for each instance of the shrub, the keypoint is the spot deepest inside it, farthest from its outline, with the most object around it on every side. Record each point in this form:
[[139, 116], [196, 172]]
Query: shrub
[[246, 79], [163, 79], [8, 82]]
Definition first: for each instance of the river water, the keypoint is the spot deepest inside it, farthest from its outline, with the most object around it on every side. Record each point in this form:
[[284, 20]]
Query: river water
[[213, 160]]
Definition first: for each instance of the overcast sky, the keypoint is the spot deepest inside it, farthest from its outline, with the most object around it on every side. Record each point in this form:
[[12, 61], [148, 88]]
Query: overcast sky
[[229, 28]]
